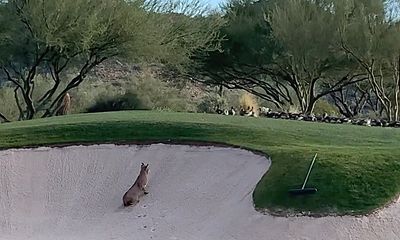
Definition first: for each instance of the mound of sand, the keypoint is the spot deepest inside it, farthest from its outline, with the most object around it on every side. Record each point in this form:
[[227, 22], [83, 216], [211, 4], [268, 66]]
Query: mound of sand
[[196, 193]]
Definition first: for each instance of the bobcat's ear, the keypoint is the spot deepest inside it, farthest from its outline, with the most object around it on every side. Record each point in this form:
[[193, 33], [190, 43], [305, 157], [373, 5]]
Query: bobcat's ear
[[142, 164], [147, 165]]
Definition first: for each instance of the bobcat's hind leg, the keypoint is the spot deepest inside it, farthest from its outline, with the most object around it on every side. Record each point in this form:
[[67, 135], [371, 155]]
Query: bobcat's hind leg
[[145, 191], [128, 203]]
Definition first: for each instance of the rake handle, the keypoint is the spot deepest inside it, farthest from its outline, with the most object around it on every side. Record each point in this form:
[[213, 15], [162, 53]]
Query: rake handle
[[309, 171]]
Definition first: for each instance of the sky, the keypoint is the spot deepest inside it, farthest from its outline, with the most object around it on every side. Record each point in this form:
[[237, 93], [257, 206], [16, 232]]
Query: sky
[[213, 3]]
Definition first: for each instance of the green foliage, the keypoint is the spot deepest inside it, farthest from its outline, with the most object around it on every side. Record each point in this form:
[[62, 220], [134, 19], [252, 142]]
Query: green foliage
[[248, 51], [56, 37], [307, 33], [248, 38], [362, 24], [182, 28], [286, 52], [73, 28], [371, 36]]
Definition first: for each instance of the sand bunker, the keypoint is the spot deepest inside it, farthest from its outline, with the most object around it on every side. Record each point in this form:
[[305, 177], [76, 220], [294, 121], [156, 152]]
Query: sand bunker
[[196, 193]]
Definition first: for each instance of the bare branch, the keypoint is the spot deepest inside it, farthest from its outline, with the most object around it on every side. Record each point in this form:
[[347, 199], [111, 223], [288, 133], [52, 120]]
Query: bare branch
[[87, 67]]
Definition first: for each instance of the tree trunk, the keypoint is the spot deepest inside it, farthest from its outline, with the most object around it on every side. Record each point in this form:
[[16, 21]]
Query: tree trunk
[[301, 99], [342, 105], [389, 114], [396, 88], [310, 106], [379, 91], [30, 107], [5, 119], [310, 99]]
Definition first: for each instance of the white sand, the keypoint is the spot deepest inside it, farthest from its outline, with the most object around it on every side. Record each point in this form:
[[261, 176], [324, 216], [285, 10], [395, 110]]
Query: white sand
[[199, 193]]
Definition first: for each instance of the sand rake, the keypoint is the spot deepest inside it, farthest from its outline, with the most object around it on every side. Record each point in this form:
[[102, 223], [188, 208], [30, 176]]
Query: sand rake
[[303, 190]]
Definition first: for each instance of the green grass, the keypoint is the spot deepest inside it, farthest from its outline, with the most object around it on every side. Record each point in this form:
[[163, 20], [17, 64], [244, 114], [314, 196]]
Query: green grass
[[357, 169]]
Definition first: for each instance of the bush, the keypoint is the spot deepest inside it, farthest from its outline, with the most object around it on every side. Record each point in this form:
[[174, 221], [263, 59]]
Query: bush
[[158, 95], [248, 101], [8, 106], [105, 103], [230, 98], [322, 106], [146, 92], [210, 101]]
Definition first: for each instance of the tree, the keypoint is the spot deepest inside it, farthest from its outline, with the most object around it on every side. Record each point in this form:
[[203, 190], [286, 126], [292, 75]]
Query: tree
[[372, 37], [248, 46], [353, 99], [56, 37], [283, 51], [312, 63]]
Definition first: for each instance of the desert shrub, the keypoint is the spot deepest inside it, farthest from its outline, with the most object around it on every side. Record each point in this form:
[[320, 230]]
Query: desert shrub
[[145, 91], [292, 108], [7, 103], [248, 100], [105, 103], [156, 94], [232, 98], [229, 98], [323, 106], [210, 101], [89, 93]]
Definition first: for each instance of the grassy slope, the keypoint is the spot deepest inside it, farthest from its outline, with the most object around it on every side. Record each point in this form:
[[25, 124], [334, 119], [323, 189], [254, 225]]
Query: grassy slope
[[358, 168]]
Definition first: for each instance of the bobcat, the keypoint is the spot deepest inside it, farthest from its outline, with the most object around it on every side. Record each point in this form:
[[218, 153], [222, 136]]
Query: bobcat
[[138, 189], [64, 105]]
